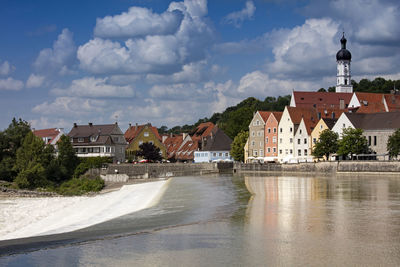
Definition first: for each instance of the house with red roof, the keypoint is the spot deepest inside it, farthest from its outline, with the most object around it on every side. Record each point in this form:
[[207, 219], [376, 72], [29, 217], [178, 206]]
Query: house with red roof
[[49, 136], [139, 134]]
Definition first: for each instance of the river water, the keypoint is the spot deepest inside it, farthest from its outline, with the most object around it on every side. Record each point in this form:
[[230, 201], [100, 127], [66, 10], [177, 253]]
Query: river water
[[247, 220]]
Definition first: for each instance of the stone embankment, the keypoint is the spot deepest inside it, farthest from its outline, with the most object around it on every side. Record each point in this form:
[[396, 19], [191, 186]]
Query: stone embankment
[[322, 167], [124, 172]]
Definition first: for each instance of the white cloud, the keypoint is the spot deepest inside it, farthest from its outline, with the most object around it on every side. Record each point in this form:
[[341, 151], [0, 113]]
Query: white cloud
[[34, 81], [6, 68], [58, 58], [46, 122], [11, 84], [305, 51], [138, 22], [95, 87], [157, 54], [237, 18], [70, 107]]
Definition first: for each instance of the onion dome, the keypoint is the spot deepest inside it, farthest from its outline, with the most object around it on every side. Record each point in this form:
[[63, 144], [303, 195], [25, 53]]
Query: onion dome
[[343, 54]]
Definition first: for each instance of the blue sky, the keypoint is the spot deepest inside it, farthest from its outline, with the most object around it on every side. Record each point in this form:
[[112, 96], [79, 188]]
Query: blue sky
[[171, 63]]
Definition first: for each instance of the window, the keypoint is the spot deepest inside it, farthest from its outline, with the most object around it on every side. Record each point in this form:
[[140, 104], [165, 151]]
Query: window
[[291, 151], [280, 129], [300, 131], [219, 154], [291, 129], [214, 154], [261, 152], [280, 151], [274, 130], [299, 152], [286, 151], [333, 115], [90, 150], [291, 140], [93, 138], [375, 140], [305, 140], [80, 139], [226, 154], [319, 115], [274, 139], [258, 122], [108, 149], [269, 130], [146, 134], [274, 149], [344, 125], [96, 149], [261, 144], [369, 140], [266, 140], [305, 152], [280, 140], [140, 142], [269, 149], [298, 141], [314, 140], [253, 143], [252, 133], [259, 133], [255, 153], [321, 126], [71, 140]]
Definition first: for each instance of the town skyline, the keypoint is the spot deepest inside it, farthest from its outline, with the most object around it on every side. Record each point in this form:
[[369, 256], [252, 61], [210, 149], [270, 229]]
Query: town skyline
[[171, 63]]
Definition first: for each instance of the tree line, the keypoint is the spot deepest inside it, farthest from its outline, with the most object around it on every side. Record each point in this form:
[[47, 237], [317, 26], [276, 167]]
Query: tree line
[[26, 162]]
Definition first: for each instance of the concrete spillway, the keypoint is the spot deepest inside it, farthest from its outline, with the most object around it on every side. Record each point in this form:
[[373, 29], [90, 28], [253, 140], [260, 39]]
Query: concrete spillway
[[26, 217]]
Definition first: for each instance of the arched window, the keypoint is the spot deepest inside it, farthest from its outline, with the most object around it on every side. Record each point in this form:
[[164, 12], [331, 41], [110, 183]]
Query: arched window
[[345, 81]]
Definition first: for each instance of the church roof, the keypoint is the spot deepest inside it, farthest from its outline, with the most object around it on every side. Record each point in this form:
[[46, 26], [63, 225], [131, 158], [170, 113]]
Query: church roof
[[321, 99]]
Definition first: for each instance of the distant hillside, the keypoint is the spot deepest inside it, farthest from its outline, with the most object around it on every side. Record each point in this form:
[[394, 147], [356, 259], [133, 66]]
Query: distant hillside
[[237, 118]]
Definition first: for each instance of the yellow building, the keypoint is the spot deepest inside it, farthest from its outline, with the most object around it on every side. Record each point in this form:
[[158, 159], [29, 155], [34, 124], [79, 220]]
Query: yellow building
[[139, 134], [323, 124]]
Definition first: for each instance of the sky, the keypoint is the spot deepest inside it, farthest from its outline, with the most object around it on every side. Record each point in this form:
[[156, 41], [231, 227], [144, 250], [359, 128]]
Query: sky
[[174, 62]]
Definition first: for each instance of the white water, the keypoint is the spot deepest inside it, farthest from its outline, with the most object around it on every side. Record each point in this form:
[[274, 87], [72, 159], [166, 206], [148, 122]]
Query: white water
[[26, 217]]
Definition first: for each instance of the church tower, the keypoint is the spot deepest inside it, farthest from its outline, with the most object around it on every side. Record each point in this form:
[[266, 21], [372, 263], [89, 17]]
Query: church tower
[[343, 59]]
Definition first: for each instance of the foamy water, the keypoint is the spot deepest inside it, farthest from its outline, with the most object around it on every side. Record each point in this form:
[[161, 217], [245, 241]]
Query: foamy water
[[25, 217]]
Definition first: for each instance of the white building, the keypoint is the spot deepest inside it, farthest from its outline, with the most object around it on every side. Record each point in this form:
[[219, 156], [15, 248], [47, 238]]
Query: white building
[[343, 59]]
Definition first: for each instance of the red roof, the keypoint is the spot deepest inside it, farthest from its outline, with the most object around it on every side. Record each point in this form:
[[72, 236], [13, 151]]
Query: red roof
[[133, 131], [277, 115], [264, 115], [321, 99], [393, 102], [370, 102], [50, 134]]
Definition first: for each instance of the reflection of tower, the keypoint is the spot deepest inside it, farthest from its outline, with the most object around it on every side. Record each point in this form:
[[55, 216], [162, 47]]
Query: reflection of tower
[[343, 59]]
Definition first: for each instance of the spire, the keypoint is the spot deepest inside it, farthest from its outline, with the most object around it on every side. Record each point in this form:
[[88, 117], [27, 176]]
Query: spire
[[343, 41]]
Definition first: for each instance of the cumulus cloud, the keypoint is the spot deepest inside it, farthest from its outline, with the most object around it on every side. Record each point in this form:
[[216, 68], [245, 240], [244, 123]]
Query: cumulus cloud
[[159, 54], [58, 58], [95, 87], [237, 18], [70, 106], [305, 51], [11, 84], [6, 68], [138, 22], [34, 81]]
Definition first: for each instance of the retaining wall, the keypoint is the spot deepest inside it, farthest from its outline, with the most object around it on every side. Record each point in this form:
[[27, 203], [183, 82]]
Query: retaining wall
[[326, 167]]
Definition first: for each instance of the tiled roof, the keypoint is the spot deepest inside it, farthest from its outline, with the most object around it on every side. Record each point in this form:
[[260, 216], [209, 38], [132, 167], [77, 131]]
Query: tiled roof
[[133, 131], [392, 101], [47, 133], [264, 115], [318, 99], [204, 129], [330, 122], [277, 115], [370, 102], [217, 141], [101, 132], [375, 121]]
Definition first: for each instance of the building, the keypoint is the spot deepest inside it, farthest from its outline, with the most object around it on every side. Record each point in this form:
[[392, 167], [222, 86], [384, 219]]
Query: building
[[256, 135], [139, 134], [271, 136], [322, 125], [377, 127], [343, 59], [49, 136], [105, 140], [216, 147]]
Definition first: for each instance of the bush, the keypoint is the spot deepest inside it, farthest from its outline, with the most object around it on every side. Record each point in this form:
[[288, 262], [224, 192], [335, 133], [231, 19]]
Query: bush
[[88, 163], [83, 185]]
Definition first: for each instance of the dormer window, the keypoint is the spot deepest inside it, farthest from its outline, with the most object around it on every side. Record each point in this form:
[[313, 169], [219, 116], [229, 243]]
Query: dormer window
[[93, 138], [80, 139], [146, 134]]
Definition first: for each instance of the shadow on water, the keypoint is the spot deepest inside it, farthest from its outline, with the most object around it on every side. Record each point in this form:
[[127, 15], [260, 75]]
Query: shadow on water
[[187, 200]]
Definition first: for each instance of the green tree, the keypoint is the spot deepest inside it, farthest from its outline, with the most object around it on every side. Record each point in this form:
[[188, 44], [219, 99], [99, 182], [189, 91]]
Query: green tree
[[10, 141], [393, 144], [326, 145], [67, 160], [149, 152], [237, 147], [353, 142], [32, 158]]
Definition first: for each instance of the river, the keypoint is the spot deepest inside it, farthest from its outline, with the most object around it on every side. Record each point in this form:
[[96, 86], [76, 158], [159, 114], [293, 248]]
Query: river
[[241, 220]]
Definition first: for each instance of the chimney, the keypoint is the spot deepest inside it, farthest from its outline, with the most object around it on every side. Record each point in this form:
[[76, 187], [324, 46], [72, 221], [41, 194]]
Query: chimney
[[90, 124], [341, 103], [75, 125]]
